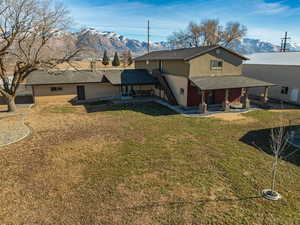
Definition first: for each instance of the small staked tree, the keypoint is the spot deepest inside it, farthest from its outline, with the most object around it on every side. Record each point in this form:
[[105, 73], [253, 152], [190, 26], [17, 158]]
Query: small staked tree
[[116, 61], [105, 59], [278, 145], [28, 29]]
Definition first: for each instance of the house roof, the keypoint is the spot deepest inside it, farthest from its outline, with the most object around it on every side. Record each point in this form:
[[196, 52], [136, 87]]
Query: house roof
[[224, 82], [275, 58], [182, 54], [130, 77], [115, 77], [66, 77]]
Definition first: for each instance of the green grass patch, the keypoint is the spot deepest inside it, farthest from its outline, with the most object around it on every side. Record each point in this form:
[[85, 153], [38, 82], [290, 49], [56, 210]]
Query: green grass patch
[[61, 109]]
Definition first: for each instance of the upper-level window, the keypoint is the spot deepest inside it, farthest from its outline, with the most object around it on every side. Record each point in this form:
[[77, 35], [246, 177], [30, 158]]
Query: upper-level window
[[216, 64], [56, 88]]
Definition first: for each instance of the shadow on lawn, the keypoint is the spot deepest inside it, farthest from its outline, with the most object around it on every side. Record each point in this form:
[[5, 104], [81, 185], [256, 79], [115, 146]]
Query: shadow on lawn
[[151, 108], [182, 203], [260, 139]]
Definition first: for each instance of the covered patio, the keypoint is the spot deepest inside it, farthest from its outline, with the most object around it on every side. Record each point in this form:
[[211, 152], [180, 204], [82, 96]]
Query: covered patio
[[225, 91]]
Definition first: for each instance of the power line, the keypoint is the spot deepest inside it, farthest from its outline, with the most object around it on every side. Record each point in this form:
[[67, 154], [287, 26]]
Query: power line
[[148, 36], [284, 43]]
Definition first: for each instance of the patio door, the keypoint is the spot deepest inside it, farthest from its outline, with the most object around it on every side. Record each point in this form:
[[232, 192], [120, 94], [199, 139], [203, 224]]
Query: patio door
[[80, 93]]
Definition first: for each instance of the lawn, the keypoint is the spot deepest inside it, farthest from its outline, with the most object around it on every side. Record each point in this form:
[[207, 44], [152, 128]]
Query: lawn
[[143, 164]]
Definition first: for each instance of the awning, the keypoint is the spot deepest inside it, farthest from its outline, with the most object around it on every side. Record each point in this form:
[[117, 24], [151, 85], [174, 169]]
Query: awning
[[130, 77], [227, 82]]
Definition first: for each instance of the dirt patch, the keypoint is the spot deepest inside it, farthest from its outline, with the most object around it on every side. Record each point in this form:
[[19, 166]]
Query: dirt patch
[[284, 110], [234, 117]]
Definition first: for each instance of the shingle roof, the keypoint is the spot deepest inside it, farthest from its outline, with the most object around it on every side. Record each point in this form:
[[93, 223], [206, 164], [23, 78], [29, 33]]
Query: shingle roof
[[182, 54], [66, 77], [224, 82], [130, 77], [115, 77], [275, 58]]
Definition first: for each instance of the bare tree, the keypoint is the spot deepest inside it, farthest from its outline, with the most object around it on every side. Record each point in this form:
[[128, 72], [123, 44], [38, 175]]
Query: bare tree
[[28, 29], [207, 33], [278, 145], [232, 32], [211, 32], [127, 58]]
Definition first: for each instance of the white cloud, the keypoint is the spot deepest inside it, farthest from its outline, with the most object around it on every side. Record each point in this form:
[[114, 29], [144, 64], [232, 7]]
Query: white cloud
[[271, 8], [129, 18]]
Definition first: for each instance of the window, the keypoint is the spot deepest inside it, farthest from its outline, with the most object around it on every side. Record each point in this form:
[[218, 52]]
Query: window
[[56, 88], [216, 65], [181, 91], [284, 90]]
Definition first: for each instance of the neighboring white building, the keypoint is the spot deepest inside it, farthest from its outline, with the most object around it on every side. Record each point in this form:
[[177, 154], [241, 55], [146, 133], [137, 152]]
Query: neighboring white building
[[281, 68]]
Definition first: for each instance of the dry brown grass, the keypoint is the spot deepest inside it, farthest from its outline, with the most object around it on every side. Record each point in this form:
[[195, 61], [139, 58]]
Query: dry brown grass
[[234, 117], [130, 167], [86, 65]]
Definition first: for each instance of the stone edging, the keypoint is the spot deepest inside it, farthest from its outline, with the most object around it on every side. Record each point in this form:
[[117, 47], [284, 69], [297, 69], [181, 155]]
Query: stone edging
[[28, 132], [19, 139]]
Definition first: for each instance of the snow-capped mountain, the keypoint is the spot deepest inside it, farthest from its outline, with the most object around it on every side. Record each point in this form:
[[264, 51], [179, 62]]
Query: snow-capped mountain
[[99, 41]]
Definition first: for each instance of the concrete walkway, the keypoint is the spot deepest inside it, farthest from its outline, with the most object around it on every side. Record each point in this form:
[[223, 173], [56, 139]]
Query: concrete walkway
[[182, 111], [12, 127]]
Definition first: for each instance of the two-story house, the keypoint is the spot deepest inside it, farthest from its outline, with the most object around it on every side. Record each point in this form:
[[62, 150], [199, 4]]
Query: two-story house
[[200, 77]]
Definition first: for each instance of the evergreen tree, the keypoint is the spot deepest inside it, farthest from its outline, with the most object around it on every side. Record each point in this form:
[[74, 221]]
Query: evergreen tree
[[116, 61], [105, 60], [129, 59]]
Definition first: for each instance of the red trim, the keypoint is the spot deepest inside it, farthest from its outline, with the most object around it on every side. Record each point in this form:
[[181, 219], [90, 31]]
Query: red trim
[[194, 98]]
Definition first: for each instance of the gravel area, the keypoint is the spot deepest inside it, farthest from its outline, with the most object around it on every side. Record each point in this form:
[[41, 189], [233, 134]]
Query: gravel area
[[12, 127]]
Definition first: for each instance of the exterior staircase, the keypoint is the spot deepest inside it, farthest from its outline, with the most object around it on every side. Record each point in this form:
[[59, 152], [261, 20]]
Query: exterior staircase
[[165, 86]]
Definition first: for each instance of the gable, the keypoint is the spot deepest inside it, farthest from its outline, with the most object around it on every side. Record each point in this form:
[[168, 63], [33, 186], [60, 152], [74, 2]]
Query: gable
[[222, 53], [201, 65], [184, 53]]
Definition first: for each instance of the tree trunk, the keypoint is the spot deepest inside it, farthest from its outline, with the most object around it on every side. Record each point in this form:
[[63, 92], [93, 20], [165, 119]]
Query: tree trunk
[[274, 173], [11, 105]]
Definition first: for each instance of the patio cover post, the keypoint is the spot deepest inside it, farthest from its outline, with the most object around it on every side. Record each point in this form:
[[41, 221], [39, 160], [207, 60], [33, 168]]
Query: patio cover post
[[203, 105], [265, 99], [226, 104], [246, 101]]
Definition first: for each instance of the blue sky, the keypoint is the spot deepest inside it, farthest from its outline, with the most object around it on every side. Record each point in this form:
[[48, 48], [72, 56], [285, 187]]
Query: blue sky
[[265, 19]]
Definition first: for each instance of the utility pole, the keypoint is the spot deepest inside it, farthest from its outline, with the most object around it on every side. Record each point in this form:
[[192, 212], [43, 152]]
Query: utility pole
[[148, 29], [284, 42]]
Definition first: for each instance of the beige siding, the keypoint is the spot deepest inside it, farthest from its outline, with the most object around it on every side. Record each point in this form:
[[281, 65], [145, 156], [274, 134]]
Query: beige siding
[[152, 65], [176, 83], [201, 66], [101, 90], [176, 67], [43, 93], [287, 76]]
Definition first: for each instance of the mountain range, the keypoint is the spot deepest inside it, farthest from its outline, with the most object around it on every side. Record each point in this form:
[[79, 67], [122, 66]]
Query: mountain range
[[99, 41]]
